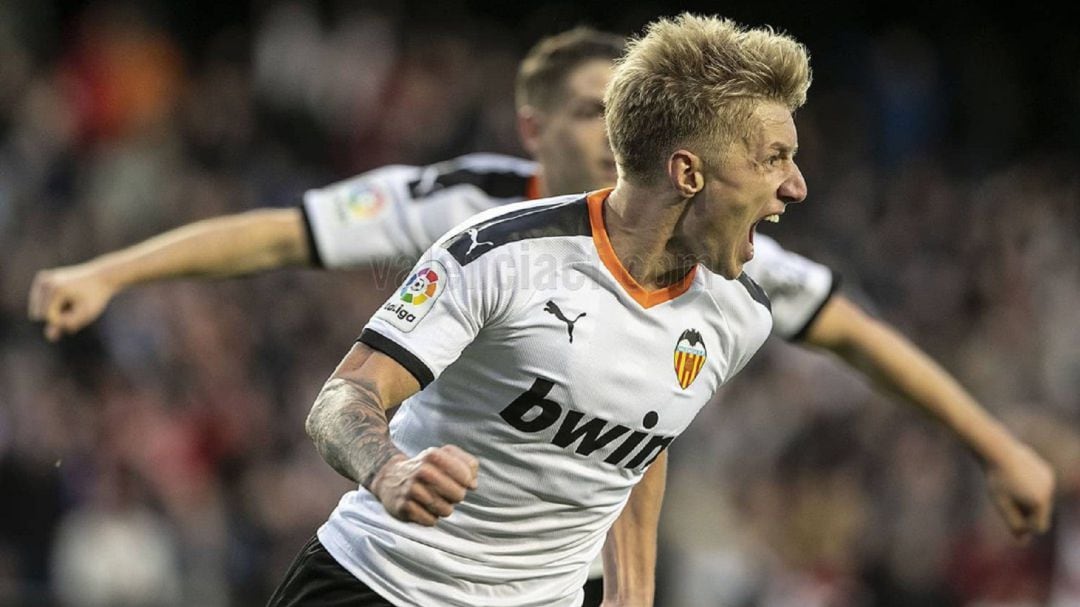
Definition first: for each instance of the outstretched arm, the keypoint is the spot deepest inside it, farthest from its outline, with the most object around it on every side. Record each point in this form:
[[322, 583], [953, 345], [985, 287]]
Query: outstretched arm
[[69, 298], [389, 213], [1021, 483], [630, 549], [348, 425]]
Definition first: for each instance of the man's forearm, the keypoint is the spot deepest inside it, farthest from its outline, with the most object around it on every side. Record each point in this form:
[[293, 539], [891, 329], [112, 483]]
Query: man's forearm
[[349, 427], [906, 370], [902, 368], [1021, 484], [223, 246], [630, 549]]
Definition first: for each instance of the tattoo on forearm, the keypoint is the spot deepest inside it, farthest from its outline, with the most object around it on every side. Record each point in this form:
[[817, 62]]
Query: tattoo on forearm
[[348, 426]]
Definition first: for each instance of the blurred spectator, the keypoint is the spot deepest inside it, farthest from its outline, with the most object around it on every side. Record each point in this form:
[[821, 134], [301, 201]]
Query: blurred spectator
[[113, 551]]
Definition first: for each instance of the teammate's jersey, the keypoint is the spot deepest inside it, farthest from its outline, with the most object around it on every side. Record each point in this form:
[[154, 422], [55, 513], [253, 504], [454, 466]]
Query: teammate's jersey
[[539, 355], [397, 212]]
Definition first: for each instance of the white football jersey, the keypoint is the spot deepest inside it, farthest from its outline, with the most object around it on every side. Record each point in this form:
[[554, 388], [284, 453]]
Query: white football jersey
[[397, 212], [541, 356]]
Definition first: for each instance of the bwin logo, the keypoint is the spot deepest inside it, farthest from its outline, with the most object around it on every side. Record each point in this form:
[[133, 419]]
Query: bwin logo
[[531, 413], [401, 312]]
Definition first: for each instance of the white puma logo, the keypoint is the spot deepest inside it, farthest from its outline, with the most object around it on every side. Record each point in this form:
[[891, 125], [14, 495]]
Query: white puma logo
[[475, 243]]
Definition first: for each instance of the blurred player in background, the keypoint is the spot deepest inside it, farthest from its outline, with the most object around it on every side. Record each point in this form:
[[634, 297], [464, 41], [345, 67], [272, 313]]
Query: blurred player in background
[[396, 212]]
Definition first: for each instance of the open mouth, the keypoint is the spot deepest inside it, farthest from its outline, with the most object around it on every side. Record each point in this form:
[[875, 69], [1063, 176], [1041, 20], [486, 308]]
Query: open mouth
[[774, 218]]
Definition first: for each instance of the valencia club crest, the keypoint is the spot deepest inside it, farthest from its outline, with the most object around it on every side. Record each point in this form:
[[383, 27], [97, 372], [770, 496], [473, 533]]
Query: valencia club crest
[[690, 357]]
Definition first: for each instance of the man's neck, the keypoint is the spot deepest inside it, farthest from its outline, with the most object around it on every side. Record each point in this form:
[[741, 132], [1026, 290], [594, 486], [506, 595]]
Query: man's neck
[[642, 224]]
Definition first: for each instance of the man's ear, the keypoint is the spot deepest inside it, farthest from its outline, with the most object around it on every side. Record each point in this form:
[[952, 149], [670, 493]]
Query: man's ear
[[530, 124], [684, 170]]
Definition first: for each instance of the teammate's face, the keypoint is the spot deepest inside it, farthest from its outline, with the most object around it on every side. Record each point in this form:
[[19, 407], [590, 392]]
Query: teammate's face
[[756, 179], [569, 139]]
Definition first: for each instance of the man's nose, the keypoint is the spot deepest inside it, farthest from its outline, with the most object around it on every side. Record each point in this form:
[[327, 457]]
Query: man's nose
[[793, 189]]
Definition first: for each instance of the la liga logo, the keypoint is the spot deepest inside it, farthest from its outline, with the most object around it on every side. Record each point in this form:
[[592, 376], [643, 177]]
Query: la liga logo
[[361, 203], [416, 297], [420, 287]]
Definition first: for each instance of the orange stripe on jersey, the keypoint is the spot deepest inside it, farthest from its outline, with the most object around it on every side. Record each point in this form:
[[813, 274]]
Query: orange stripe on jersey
[[532, 188], [643, 296]]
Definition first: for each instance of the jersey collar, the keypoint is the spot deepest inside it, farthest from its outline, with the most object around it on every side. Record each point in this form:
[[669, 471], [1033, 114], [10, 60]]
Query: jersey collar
[[640, 294]]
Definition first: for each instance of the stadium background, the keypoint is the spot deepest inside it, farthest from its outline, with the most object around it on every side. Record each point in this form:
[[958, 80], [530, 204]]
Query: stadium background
[[160, 455]]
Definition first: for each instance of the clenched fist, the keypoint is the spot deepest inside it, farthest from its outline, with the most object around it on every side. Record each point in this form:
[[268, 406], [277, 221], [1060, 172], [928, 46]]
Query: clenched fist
[[67, 299], [424, 488], [1021, 485]]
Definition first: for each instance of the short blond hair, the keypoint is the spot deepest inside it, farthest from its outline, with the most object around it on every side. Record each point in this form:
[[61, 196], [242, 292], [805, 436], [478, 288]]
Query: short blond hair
[[695, 81], [541, 78]]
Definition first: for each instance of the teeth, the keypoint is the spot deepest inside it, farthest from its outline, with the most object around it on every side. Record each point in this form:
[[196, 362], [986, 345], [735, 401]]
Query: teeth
[[774, 218]]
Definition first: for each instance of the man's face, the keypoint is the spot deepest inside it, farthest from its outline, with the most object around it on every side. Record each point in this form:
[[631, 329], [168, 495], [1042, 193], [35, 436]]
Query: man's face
[[569, 139], [756, 179]]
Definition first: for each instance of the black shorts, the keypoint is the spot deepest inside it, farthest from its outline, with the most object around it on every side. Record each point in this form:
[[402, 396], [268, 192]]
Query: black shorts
[[315, 578], [594, 592]]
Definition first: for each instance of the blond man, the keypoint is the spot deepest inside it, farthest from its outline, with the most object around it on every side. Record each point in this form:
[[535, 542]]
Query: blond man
[[520, 440]]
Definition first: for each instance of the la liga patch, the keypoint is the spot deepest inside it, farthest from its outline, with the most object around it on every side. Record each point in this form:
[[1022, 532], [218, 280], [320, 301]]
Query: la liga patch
[[360, 203], [416, 297]]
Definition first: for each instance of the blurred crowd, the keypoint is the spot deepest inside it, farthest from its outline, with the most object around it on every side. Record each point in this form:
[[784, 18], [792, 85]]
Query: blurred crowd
[[159, 457]]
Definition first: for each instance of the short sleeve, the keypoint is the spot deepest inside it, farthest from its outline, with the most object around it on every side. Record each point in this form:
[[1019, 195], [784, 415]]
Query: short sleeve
[[798, 288], [396, 212], [438, 311], [359, 220]]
